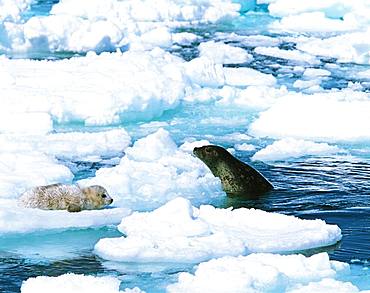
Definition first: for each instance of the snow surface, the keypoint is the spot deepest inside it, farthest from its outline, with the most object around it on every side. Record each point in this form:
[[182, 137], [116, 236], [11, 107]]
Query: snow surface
[[123, 86], [332, 116], [73, 283], [224, 54], [294, 148], [105, 26], [266, 273], [179, 232], [155, 171], [14, 219]]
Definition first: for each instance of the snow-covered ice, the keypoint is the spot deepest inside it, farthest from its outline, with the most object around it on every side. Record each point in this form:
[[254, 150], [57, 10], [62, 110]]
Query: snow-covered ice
[[154, 171], [74, 283], [294, 148], [266, 273], [179, 232]]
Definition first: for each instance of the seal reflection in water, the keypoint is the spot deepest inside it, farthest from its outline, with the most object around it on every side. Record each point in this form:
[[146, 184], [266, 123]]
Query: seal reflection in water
[[237, 178], [66, 197]]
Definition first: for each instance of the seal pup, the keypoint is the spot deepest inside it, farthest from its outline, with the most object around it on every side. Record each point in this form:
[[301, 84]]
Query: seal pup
[[237, 178], [66, 197]]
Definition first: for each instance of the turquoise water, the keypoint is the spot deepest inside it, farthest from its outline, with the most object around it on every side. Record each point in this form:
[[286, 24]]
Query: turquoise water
[[335, 189]]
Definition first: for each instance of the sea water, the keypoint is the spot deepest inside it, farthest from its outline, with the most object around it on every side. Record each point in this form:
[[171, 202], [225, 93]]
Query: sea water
[[304, 124]]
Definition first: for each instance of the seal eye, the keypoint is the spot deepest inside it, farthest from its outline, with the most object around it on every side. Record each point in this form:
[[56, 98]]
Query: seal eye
[[208, 150], [103, 195]]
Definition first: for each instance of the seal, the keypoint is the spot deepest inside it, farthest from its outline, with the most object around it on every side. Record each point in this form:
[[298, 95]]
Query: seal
[[65, 197], [238, 179]]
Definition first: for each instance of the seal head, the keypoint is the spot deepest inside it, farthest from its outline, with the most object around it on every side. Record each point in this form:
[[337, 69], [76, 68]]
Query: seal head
[[238, 179]]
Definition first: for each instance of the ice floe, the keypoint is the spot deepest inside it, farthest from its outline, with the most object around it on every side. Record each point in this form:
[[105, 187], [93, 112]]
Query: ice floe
[[294, 148], [179, 232], [98, 26], [154, 171], [14, 219], [330, 116], [224, 54], [123, 86], [293, 55], [74, 283], [266, 273]]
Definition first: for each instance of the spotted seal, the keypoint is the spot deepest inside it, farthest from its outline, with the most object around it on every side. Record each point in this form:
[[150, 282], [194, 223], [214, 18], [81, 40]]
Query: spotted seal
[[237, 178]]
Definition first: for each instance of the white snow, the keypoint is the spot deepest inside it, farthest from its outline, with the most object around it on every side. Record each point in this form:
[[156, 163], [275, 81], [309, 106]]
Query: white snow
[[93, 25], [179, 232], [154, 171], [266, 273], [294, 55], [331, 116], [294, 148], [224, 54], [244, 76], [122, 86], [74, 283], [14, 219]]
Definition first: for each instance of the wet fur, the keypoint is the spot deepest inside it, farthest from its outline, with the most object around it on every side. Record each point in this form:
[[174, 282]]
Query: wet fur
[[237, 178]]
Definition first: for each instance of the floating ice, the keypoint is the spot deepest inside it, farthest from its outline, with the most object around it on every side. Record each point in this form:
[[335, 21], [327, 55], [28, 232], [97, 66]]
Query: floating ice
[[69, 145], [351, 47], [247, 76], [293, 55], [224, 54], [245, 147], [11, 10], [73, 283], [293, 148], [266, 273], [21, 171], [314, 22], [332, 116], [179, 232], [14, 219], [105, 26], [123, 86], [327, 286], [154, 171]]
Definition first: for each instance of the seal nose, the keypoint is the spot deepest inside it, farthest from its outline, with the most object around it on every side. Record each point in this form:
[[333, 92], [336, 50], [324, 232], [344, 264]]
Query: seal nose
[[111, 200], [195, 150]]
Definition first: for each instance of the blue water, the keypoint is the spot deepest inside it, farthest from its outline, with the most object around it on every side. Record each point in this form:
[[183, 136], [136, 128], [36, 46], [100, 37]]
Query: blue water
[[335, 189]]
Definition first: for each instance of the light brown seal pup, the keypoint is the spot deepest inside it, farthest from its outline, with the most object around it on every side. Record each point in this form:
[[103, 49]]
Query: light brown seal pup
[[237, 178], [66, 197]]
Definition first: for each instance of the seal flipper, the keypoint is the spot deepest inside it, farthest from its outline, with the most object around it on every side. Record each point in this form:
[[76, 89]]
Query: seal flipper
[[73, 208]]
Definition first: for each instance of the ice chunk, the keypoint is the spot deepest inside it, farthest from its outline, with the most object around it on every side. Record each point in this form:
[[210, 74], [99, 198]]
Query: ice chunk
[[25, 123], [333, 116], [74, 283], [265, 273], [247, 76], [154, 171], [293, 148], [327, 286], [315, 22], [22, 170], [204, 72], [245, 147], [124, 86], [14, 219], [293, 55], [224, 54], [179, 232], [351, 47], [69, 145], [98, 26]]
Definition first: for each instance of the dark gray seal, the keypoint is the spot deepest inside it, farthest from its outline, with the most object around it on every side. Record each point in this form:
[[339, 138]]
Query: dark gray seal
[[237, 178]]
